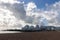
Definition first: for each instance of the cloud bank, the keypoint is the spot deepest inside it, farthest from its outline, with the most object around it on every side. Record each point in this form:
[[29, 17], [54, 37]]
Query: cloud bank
[[16, 14]]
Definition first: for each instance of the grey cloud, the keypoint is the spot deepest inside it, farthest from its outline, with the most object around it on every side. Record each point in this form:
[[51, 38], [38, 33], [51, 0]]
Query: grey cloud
[[17, 9], [19, 12], [29, 19]]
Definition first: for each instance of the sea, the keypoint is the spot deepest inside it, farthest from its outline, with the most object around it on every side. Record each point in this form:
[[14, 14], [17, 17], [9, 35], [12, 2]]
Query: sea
[[4, 32]]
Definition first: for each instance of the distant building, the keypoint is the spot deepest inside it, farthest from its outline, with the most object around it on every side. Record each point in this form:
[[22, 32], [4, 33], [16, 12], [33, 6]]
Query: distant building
[[48, 28], [51, 28], [26, 27], [31, 27], [37, 27]]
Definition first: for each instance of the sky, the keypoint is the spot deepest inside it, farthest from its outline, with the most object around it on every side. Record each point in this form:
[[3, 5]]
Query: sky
[[41, 3], [15, 14]]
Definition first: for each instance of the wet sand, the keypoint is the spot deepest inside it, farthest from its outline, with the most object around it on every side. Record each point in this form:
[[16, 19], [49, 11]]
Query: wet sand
[[52, 35]]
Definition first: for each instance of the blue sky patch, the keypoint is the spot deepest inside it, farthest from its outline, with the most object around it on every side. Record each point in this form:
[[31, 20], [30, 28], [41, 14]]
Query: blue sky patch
[[40, 3]]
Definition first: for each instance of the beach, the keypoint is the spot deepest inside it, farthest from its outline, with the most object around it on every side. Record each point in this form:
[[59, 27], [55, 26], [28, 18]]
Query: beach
[[50, 35]]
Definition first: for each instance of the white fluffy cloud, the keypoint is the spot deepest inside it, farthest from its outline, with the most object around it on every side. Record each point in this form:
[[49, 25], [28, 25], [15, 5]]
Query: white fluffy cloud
[[11, 14], [30, 6], [9, 1], [51, 14]]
